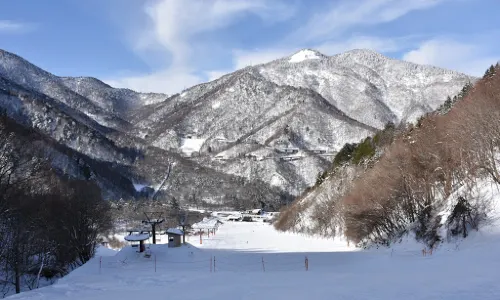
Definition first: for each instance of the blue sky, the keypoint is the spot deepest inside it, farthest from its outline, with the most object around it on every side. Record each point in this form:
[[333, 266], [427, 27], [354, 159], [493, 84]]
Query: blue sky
[[168, 45]]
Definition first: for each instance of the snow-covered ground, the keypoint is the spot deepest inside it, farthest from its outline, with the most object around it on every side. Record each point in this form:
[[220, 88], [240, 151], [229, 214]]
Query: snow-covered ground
[[253, 261], [188, 146], [304, 55]]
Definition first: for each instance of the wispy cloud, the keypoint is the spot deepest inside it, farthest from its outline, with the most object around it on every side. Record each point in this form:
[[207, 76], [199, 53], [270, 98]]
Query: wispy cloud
[[472, 57], [167, 81], [9, 26], [176, 29], [347, 14], [174, 26], [245, 58]]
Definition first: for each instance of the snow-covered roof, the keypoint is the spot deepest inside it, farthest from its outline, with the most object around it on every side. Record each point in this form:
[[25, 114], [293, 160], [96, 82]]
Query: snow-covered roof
[[207, 223], [137, 237], [138, 230], [174, 231]]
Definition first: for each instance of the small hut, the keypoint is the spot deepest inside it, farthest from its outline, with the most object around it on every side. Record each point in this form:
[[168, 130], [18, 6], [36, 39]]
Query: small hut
[[174, 237]]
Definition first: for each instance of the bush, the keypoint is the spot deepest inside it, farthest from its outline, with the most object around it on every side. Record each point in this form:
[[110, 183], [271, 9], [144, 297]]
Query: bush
[[463, 217]]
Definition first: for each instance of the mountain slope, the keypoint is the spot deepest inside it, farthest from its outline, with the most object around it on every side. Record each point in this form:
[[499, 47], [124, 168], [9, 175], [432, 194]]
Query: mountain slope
[[113, 100], [308, 101], [29, 76], [271, 127], [432, 180]]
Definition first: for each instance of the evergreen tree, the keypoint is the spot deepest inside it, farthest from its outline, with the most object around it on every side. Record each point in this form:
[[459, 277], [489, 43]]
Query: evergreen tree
[[490, 72], [465, 90], [321, 177], [460, 217], [448, 103]]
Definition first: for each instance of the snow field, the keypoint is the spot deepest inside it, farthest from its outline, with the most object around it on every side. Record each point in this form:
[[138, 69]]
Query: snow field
[[336, 271]]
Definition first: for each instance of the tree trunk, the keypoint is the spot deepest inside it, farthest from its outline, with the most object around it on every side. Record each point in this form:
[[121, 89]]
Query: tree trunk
[[17, 275], [464, 227]]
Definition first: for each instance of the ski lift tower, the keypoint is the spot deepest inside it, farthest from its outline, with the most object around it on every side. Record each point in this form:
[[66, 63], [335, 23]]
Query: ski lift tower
[[153, 219]]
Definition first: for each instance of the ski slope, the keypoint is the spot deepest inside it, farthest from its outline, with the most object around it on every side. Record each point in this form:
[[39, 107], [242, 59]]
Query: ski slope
[[253, 261]]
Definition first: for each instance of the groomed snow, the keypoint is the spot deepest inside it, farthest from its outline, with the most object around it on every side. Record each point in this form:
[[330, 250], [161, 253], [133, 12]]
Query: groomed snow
[[303, 55], [253, 261]]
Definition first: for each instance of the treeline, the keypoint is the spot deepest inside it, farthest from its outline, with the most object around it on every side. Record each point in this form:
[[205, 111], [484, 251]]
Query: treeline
[[413, 178], [49, 224]]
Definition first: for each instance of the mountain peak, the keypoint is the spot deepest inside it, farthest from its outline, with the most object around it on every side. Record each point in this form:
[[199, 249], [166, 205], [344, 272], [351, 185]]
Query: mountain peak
[[305, 54]]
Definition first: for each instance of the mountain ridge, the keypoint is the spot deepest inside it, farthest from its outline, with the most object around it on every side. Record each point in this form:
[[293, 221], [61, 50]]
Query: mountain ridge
[[275, 125]]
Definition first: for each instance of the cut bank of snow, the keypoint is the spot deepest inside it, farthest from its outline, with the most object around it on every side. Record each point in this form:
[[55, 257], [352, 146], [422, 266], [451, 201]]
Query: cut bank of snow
[[188, 146], [104, 251], [303, 55], [253, 261]]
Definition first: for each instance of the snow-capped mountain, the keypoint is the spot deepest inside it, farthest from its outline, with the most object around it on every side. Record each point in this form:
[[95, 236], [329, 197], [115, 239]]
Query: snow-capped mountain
[[282, 121], [261, 133], [113, 100]]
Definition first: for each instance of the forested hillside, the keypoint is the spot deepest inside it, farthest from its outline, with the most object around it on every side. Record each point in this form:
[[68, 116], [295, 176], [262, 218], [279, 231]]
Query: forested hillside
[[420, 179], [49, 224]]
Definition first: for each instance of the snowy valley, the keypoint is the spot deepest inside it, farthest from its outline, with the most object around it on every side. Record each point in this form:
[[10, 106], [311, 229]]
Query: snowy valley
[[401, 202], [250, 260], [249, 149]]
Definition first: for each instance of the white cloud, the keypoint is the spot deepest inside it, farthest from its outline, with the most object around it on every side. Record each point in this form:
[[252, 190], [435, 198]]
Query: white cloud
[[176, 23], [173, 30], [242, 58], [329, 25], [215, 74], [469, 58], [169, 81], [383, 45], [176, 28], [8, 26], [347, 14]]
